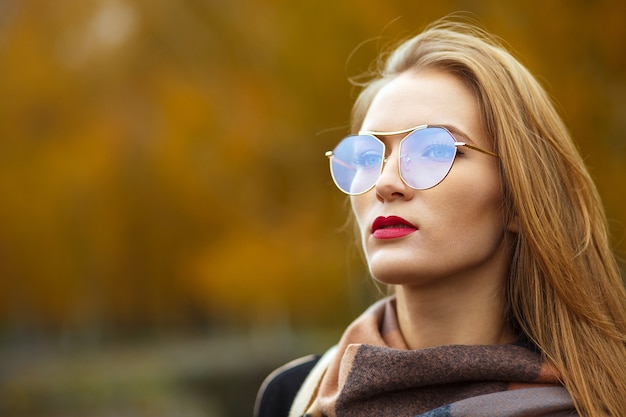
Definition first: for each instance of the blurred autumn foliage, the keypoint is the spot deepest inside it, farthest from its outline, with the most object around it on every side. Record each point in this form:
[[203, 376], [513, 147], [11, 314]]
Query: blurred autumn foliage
[[161, 161]]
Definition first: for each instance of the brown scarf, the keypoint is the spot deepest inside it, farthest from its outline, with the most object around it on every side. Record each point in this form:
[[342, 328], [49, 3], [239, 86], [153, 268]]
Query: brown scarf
[[374, 374]]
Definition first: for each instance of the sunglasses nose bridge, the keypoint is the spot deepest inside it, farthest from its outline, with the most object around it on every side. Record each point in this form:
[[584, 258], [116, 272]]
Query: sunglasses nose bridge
[[390, 170]]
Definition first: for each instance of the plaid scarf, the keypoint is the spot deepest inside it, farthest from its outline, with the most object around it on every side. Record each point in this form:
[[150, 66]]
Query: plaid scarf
[[373, 373]]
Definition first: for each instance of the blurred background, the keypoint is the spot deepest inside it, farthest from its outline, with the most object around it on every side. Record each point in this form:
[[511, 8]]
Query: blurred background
[[169, 232]]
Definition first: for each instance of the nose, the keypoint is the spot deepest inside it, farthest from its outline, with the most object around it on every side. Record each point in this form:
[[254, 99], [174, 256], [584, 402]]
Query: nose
[[390, 185]]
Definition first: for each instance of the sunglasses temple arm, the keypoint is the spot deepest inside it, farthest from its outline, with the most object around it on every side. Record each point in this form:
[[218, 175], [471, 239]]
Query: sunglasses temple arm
[[476, 148], [340, 162]]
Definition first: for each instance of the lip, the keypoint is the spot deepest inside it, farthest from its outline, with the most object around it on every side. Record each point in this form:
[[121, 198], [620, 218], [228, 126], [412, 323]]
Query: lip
[[392, 227]]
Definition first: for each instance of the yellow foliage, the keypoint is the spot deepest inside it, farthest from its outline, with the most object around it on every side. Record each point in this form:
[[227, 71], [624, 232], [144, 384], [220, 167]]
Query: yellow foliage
[[161, 159]]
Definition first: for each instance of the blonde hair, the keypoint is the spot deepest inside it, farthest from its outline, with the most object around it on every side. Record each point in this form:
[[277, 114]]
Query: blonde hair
[[564, 290]]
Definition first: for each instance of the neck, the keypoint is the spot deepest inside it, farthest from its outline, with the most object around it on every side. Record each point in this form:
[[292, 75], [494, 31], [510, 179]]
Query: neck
[[466, 313]]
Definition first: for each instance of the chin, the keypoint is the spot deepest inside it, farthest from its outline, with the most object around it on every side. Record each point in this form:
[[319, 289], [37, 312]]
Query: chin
[[400, 272], [393, 276], [395, 266]]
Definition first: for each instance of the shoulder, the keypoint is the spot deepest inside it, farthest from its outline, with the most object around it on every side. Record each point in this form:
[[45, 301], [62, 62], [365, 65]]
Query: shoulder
[[281, 386]]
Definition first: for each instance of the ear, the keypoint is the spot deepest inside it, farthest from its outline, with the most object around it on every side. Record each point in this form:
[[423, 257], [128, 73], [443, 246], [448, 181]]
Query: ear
[[513, 225]]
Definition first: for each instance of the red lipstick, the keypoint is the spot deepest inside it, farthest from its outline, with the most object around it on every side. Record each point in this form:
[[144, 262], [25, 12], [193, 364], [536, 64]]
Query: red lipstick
[[392, 227]]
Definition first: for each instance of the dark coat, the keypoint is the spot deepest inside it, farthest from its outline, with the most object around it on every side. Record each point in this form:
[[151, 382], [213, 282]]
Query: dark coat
[[280, 388]]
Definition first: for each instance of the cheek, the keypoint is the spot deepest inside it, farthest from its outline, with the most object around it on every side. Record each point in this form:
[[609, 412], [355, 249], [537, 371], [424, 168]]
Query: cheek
[[356, 203], [477, 187], [479, 214], [468, 201], [481, 200]]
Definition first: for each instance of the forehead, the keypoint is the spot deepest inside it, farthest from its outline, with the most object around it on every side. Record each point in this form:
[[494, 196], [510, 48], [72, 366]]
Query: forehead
[[432, 97]]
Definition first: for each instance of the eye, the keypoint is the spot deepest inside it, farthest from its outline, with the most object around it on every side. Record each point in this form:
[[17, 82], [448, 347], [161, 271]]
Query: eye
[[439, 152], [369, 159]]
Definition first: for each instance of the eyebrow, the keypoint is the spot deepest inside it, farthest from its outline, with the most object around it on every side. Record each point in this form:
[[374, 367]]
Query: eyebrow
[[455, 130]]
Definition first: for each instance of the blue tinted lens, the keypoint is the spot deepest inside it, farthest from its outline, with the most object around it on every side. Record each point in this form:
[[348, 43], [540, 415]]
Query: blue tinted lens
[[426, 156], [356, 163]]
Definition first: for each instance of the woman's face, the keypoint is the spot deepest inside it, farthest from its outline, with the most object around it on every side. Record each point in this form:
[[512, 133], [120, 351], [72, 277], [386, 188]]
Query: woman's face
[[448, 232]]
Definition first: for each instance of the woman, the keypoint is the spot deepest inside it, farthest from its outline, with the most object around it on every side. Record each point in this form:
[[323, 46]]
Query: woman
[[475, 207]]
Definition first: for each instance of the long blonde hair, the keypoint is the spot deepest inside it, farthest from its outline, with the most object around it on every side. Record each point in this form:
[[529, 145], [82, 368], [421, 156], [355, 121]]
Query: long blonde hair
[[564, 290]]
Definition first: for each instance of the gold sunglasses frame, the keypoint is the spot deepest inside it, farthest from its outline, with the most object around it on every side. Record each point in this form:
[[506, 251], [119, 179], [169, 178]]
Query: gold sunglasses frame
[[329, 154]]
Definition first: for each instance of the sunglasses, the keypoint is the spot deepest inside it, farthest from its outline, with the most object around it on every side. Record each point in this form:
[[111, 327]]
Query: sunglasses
[[425, 157]]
